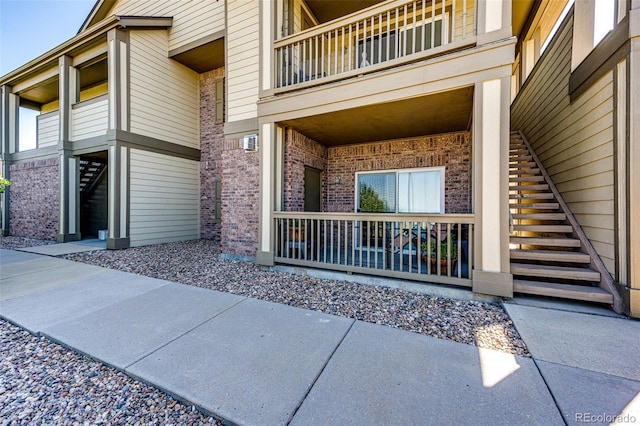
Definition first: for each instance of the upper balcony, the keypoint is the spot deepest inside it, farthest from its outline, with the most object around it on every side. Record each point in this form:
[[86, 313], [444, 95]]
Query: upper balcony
[[387, 34]]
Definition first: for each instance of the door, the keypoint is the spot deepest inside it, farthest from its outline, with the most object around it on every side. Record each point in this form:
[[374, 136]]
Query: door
[[312, 190]]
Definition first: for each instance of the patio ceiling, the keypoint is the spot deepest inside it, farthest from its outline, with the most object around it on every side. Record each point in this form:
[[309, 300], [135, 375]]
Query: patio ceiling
[[427, 115]]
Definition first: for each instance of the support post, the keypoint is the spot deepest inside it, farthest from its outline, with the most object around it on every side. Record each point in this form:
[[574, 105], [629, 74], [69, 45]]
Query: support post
[[491, 273], [270, 136], [69, 215], [8, 133]]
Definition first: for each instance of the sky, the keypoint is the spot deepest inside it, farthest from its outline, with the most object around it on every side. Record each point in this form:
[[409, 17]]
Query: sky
[[29, 28]]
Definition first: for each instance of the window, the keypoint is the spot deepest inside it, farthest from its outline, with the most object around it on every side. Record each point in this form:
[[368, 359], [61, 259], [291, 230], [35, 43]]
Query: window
[[423, 36], [401, 191]]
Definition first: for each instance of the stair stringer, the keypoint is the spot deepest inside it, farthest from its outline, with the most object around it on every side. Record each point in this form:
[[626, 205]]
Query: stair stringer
[[606, 281]]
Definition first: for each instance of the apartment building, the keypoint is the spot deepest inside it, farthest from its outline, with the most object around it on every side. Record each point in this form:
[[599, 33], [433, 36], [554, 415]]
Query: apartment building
[[373, 137]]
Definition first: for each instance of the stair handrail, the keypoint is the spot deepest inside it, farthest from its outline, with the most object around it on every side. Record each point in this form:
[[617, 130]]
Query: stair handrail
[[606, 281], [91, 187]]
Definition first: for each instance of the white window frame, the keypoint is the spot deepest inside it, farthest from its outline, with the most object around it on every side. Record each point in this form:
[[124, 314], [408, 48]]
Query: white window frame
[[441, 169]]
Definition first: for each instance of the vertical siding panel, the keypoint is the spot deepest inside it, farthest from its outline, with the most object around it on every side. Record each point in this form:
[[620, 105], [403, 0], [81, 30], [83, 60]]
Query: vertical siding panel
[[164, 94], [165, 198], [574, 141], [89, 120], [243, 65], [48, 130]]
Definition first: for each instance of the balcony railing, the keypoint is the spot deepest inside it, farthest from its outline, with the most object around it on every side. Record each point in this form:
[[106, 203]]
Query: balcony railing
[[48, 129], [434, 248], [90, 118], [388, 34]]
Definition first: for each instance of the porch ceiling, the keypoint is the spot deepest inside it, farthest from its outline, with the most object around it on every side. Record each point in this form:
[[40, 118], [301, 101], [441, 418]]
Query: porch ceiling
[[205, 57], [328, 10], [427, 115]]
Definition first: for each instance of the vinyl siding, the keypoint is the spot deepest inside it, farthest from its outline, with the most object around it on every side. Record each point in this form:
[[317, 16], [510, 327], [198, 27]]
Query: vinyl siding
[[192, 19], [243, 67], [574, 141], [89, 119], [48, 128], [164, 94], [165, 198]]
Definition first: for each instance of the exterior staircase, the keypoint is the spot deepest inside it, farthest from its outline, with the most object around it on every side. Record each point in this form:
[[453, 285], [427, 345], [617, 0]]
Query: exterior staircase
[[90, 172], [550, 255]]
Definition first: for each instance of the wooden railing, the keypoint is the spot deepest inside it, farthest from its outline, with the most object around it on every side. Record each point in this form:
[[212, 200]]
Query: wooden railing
[[435, 248], [90, 118], [48, 129], [388, 34]]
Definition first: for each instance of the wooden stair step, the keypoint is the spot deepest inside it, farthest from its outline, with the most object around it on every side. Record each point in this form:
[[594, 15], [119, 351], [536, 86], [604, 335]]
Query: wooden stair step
[[521, 165], [516, 172], [534, 196], [542, 241], [527, 179], [544, 228], [535, 206], [535, 187], [550, 256], [539, 216], [565, 291], [520, 158], [558, 272]]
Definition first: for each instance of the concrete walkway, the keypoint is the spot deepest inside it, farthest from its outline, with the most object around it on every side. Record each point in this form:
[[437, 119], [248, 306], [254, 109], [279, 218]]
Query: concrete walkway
[[252, 362]]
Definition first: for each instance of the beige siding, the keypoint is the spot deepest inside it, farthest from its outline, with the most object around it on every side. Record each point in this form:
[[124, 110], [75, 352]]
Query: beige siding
[[89, 119], [164, 94], [243, 65], [48, 128], [573, 140], [192, 19], [165, 198]]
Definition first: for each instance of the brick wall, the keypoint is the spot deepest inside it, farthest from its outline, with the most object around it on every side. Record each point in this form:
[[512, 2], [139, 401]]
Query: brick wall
[[300, 151], [211, 141], [240, 199], [34, 198], [451, 150]]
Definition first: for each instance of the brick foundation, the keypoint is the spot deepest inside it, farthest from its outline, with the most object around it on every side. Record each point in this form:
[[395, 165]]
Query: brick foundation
[[240, 199], [34, 198], [211, 141]]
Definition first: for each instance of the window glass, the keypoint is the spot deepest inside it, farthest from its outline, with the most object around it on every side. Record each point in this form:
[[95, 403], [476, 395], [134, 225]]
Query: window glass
[[419, 192], [377, 193], [413, 191]]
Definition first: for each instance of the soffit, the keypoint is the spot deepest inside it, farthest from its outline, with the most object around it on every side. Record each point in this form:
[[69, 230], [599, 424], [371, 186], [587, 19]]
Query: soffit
[[437, 113], [328, 10], [520, 10], [206, 57]]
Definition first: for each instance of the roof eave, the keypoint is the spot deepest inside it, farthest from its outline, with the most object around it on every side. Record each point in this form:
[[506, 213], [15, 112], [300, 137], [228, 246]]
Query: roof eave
[[47, 59]]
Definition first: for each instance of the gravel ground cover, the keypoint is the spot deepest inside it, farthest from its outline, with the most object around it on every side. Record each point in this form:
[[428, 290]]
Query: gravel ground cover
[[42, 383], [199, 263], [11, 243]]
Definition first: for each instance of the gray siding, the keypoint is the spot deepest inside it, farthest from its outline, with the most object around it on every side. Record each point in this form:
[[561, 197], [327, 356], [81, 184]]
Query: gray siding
[[48, 128], [165, 198]]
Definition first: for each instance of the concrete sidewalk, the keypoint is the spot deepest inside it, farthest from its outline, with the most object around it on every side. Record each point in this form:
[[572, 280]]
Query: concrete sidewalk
[[250, 362]]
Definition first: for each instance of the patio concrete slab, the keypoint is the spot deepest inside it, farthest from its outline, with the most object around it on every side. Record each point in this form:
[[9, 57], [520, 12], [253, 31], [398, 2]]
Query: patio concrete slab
[[253, 364], [590, 342], [122, 333], [583, 394], [32, 276], [12, 256], [64, 248], [381, 375], [75, 299]]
